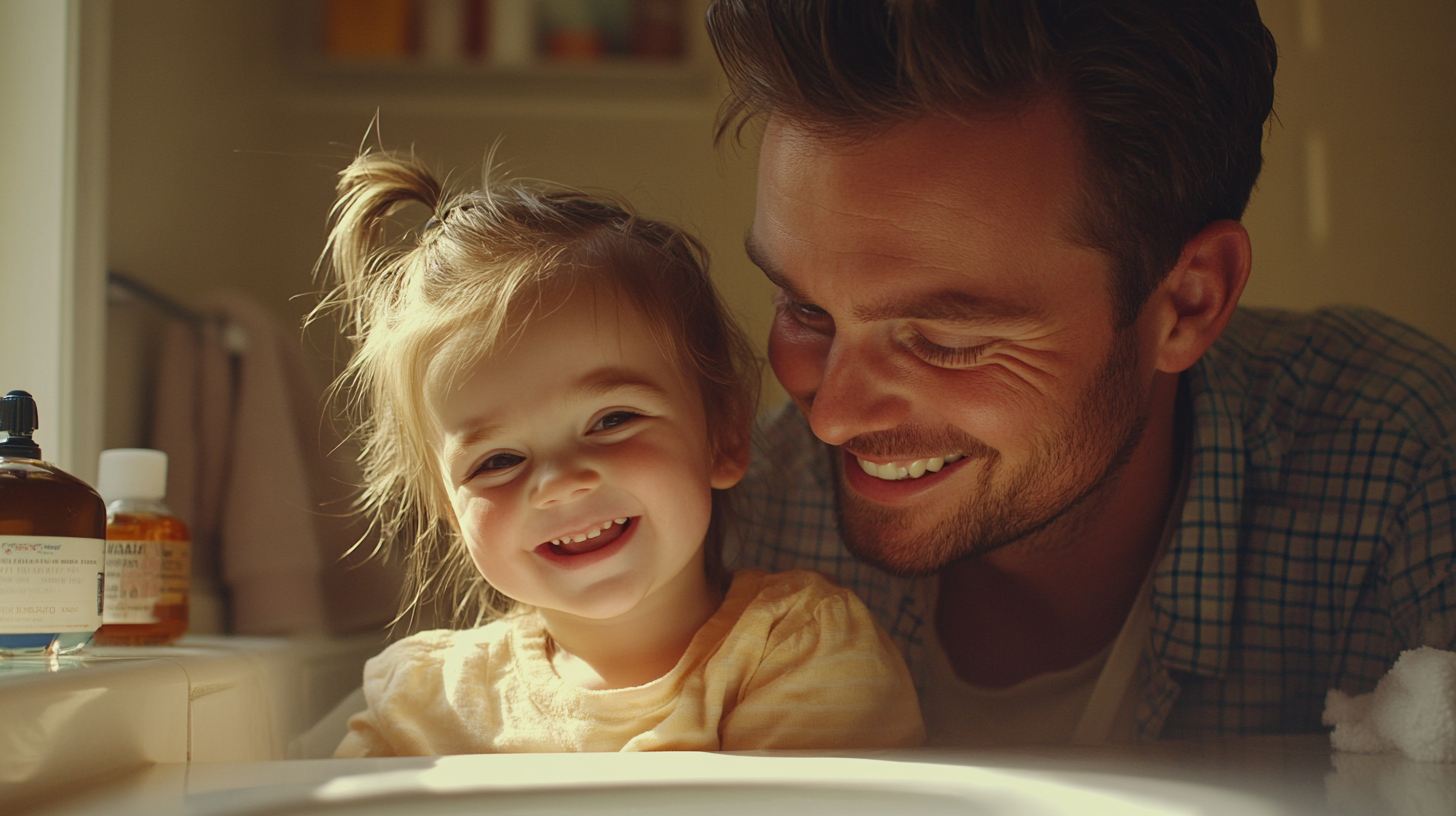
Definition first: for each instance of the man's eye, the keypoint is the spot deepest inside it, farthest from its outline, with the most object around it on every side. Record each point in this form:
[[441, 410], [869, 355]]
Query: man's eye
[[615, 419], [501, 461], [946, 356], [806, 313]]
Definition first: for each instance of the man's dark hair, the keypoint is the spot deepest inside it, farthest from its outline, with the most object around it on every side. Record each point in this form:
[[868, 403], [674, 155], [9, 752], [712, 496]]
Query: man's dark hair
[[1171, 96]]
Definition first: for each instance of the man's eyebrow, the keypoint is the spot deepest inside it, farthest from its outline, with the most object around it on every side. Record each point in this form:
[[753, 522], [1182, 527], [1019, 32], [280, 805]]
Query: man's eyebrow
[[771, 271], [948, 305]]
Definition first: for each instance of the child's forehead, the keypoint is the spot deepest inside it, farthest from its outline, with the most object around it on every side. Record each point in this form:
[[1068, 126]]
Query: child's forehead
[[563, 334]]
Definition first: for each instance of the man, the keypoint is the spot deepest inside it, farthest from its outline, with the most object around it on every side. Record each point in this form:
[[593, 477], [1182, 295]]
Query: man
[[1090, 498]]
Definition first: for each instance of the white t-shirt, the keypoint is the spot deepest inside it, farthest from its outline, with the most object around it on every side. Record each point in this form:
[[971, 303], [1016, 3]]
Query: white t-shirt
[[1091, 703]]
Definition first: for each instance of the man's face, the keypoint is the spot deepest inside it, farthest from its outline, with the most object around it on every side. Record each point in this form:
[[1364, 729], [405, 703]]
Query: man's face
[[938, 324]]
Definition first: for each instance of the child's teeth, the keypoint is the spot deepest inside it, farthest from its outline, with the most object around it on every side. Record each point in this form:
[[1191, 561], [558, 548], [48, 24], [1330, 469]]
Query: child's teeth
[[580, 537]]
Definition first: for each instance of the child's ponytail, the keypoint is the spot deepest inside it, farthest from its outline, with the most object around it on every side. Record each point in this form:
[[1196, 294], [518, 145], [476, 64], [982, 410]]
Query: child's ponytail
[[373, 264], [368, 269]]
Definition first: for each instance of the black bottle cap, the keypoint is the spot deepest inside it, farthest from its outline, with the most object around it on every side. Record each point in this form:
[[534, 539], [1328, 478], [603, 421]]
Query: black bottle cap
[[19, 419]]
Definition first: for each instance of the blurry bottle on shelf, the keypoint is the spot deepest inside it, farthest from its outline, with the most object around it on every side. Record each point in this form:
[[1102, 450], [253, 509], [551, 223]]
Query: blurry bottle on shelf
[[369, 30], [443, 28], [512, 31], [476, 39], [657, 29], [148, 552], [570, 31], [614, 20]]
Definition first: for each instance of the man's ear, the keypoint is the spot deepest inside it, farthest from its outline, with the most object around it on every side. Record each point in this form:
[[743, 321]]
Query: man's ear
[[1197, 299], [731, 462]]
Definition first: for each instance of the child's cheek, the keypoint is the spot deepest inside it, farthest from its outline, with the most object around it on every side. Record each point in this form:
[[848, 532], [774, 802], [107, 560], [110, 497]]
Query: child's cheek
[[491, 540], [480, 521], [670, 474], [664, 458]]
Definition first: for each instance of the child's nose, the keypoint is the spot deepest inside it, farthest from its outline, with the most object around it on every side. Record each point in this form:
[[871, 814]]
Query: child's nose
[[559, 482]]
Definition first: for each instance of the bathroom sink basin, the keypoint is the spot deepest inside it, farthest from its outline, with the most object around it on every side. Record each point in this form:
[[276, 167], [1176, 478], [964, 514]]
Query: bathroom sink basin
[[660, 783]]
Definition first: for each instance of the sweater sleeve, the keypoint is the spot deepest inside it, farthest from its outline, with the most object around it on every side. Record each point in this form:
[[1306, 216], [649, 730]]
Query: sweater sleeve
[[829, 678], [364, 739], [404, 692]]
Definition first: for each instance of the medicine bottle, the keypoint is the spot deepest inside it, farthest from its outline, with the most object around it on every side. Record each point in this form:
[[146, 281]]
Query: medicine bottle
[[148, 552], [52, 533]]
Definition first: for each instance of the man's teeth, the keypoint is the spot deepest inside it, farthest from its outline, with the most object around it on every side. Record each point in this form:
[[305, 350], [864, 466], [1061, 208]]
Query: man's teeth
[[593, 533], [895, 471]]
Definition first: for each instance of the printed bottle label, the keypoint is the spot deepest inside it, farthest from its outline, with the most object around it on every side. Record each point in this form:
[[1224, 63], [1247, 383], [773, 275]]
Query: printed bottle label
[[140, 575], [50, 584]]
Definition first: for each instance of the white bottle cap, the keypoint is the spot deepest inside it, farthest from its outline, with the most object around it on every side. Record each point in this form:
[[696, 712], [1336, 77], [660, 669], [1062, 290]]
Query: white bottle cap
[[132, 473]]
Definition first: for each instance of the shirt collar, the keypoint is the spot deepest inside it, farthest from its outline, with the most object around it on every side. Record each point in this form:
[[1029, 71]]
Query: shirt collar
[[1195, 583]]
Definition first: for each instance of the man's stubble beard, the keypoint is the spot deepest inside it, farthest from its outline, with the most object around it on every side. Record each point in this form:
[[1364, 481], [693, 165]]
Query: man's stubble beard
[[1049, 498]]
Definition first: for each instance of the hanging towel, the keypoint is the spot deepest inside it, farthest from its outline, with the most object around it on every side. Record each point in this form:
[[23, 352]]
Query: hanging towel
[[253, 469]]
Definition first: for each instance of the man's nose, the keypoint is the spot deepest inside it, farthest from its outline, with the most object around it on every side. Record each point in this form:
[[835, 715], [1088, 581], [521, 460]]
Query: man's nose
[[860, 391], [563, 479]]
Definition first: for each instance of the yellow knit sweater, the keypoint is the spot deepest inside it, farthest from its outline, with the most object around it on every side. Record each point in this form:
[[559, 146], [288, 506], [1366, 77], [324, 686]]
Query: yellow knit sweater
[[788, 661]]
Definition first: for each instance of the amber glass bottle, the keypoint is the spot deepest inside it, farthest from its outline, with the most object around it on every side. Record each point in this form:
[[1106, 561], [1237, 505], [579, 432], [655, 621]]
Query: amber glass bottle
[[148, 553], [51, 530]]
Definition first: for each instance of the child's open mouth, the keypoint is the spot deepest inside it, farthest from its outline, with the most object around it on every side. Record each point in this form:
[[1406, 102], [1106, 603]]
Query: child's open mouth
[[588, 541]]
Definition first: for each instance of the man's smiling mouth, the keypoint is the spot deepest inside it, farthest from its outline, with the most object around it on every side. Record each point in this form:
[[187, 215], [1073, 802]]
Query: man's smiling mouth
[[910, 469]]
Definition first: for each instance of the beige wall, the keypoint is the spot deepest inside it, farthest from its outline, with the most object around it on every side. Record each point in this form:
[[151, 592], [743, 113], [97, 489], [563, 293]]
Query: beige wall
[[225, 150], [1357, 203], [224, 153]]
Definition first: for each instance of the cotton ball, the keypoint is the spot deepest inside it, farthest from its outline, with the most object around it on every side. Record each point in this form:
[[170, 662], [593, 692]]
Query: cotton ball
[[1414, 705], [1354, 730]]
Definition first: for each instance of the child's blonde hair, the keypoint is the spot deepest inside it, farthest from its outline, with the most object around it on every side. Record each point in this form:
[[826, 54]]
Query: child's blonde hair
[[423, 307]]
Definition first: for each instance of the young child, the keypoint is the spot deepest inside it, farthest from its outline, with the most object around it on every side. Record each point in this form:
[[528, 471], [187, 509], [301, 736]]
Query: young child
[[551, 400]]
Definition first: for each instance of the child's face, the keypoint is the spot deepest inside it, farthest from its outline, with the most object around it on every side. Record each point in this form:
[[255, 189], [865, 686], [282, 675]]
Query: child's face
[[579, 425]]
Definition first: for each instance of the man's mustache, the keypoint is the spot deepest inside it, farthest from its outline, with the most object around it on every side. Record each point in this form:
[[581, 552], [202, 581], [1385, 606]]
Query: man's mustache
[[900, 444]]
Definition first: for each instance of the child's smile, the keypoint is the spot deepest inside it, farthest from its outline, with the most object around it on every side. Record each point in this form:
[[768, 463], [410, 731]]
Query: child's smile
[[600, 540], [579, 465]]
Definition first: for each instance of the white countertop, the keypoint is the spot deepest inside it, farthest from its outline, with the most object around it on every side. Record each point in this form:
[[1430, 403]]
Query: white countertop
[[216, 727], [1282, 776], [111, 710]]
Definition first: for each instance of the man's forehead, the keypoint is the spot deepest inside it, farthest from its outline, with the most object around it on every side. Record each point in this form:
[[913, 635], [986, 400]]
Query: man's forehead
[[941, 296], [938, 191]]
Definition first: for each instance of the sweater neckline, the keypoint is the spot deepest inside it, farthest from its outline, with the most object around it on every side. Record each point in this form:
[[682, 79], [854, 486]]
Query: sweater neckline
[[532, 663]]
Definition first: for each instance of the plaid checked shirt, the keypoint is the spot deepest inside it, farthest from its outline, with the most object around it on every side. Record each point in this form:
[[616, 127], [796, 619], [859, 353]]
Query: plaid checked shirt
[[1315, 543]]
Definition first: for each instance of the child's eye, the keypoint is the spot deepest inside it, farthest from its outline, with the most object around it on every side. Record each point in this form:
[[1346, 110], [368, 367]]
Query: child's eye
[[501, 461], [615, 419]]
